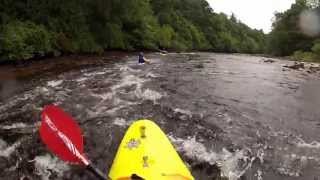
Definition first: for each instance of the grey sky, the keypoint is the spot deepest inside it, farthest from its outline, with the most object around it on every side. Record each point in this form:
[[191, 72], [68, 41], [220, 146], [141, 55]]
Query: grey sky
[[255, 13]]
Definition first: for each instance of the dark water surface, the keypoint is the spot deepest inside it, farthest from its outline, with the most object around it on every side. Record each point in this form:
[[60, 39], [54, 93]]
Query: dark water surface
[[229, 116]]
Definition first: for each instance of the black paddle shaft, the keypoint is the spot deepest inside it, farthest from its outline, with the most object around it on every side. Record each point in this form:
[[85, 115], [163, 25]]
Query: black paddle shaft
[[96, 172]]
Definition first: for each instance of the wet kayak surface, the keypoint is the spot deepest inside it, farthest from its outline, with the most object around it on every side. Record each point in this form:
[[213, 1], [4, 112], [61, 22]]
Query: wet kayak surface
[[229, 116]]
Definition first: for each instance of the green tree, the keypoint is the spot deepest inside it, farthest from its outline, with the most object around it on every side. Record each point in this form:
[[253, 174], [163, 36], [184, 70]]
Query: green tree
[[316, 48], [25, 40], [286, 36], [166, 35], [91, 26]]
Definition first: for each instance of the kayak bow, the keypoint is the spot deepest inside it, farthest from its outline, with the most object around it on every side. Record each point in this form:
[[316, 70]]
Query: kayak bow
[[146, 153]]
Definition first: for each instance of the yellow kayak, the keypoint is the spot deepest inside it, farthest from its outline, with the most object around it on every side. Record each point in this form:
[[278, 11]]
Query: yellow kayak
[[146, 153]]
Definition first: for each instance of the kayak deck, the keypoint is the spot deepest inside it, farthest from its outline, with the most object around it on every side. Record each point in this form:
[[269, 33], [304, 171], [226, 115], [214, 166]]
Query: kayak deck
[[146, 153]]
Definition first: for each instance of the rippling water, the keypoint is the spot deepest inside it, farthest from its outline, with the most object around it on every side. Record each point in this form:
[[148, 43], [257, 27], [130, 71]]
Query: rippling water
[[229, 116]]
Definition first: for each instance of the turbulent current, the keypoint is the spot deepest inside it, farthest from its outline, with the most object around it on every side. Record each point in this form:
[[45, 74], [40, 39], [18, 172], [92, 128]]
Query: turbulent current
[[229, 116]]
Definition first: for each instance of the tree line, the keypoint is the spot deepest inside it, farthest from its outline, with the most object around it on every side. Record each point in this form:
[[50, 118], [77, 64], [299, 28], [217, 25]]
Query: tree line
[[296, 32], [37, 28]]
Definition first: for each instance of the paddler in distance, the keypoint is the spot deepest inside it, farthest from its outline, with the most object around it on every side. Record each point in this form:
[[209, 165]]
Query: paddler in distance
[[142, 59]]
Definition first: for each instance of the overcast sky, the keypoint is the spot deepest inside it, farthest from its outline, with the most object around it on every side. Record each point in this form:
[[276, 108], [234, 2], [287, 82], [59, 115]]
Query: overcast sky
[[255, 13]]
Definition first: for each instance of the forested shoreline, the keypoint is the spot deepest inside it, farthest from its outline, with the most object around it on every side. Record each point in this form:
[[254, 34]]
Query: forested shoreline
[[296, 32], [36, 28]]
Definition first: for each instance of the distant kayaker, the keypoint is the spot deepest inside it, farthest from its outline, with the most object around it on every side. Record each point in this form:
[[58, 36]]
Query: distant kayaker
[[142, 59]]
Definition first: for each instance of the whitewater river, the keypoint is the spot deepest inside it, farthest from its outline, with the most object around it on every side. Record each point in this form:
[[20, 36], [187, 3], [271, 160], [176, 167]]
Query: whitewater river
[[229, 116]]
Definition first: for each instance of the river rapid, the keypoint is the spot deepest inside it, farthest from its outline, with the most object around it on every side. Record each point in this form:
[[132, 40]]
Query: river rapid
[[230, 116]]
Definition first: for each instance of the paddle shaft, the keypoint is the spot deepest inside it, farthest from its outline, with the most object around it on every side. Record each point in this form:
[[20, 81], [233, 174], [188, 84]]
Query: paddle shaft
[[96, 172]]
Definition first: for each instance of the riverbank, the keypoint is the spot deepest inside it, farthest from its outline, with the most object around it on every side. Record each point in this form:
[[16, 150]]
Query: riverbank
[[28, 69], [18, 77]]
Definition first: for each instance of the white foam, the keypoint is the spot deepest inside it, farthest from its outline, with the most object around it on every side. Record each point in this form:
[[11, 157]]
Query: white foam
[[54, 83], [100, 110], [44, 90], [94, 73], [100, 73], [124, 68], [121, 122], [104, 96], [81, 79], [149, 94], [292, 165], [302, 144], [14, 126], [187, 53], [114, 110], [287, 172], [259, 175], [21, 126], [5, 150], [15, 100], [194, 149], [227, 161], [129, 80], [182, 111], [47, 165], [128, 69], [151, 75], [260, 155], [230, 168]]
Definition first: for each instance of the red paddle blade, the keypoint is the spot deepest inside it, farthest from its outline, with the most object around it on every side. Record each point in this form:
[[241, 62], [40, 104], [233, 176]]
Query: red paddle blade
[[62, 135]]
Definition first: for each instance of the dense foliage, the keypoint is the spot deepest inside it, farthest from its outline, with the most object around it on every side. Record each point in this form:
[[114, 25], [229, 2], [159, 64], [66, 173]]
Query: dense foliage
[[36, 28], [296, 32]]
